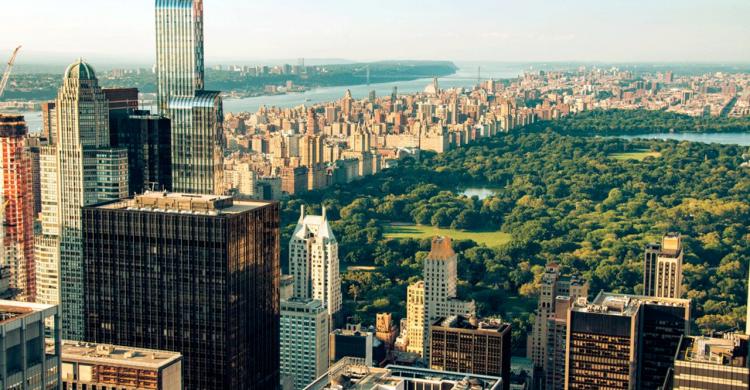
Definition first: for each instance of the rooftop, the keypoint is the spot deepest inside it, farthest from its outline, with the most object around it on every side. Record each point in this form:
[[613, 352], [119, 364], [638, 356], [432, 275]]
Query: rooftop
[[115, 355], [623, 304], [729, 351], [174, 202], [11, 310], [460, 322], [441, 249], [352, 374]]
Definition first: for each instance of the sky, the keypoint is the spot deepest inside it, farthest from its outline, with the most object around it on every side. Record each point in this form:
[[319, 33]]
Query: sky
[[241, 31]]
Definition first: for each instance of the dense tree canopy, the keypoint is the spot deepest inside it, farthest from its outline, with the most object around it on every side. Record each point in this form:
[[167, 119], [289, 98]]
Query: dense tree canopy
[[634, 122], [563, 199]]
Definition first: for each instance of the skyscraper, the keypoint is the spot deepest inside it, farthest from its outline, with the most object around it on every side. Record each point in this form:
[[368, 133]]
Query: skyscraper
[[197, 115], [557, 330], [553, 284], [196, 274], [415, 318], [88, 171], [662, 271], [47, 244], [472, 346], [440, 294], [17, 206], [623, 341], [303, 340], [314, 262]]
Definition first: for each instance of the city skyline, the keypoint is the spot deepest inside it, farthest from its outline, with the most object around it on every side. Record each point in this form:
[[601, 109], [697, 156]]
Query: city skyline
[[668, 31]]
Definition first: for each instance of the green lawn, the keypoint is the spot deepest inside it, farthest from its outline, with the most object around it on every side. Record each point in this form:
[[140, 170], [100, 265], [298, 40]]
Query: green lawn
[[491, 239], [638, 156]]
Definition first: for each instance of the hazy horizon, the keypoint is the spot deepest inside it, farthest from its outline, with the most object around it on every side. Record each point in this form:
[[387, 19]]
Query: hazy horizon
[[581, 31]]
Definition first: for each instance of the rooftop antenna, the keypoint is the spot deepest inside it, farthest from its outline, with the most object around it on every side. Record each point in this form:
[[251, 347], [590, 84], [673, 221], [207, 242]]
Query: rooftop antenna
[[479, 75]]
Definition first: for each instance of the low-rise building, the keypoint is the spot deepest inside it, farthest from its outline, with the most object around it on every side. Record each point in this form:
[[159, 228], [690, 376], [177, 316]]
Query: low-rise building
[[351, 373], [103, 366]]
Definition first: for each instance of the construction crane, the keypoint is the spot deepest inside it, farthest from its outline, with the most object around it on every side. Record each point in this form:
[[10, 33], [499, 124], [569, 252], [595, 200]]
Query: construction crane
[[6, 75]]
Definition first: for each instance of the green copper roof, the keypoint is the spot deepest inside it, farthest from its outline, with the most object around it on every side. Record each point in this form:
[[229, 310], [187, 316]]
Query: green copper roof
[[80, 70]]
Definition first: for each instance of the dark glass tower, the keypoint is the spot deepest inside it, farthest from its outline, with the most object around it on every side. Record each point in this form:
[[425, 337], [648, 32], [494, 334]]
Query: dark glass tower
[[197, 115], [188, 273]]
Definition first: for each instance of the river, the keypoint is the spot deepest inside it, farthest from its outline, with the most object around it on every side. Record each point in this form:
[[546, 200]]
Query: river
[[466, 76]]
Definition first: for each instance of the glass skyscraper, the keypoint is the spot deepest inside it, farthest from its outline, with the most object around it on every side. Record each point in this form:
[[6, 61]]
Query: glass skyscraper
[[197, 115]]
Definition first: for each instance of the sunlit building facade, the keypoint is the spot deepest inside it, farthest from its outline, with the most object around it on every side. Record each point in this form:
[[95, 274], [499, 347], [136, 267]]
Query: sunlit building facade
[[17, 206], [197, 115], [88, 171]]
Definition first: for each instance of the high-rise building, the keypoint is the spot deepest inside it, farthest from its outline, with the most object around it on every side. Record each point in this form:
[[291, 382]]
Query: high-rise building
[[415, 320], [196, 115], [304, 340], [472, 346], [662, 271], [440, 294], [89, 170], [196, 274], [314, 263], [650, 254], [712, 363], [557, 331], [105, 366], [147, 138], [17, 205], [29, 346], [553, 284], [623, 341], [47, 244]]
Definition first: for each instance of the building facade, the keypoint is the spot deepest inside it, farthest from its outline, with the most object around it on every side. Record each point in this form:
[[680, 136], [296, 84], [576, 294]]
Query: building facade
[[557, 330], [620, 341], [87, 168], [105, 366], [553, 284], [30, 343], [472, 346], [415, 320], [196, 115], [147, 138], [17, 207], [304, 340], [662, 270], [196, 274], [352, 342], [440, 294], [47, 244], [314, 263]]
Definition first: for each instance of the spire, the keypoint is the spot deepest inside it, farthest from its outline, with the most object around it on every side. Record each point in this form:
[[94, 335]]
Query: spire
[[324, 213], [301, 212]]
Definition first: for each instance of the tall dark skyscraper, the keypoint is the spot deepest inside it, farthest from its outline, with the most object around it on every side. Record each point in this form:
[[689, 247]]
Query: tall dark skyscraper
[[147, 138], [197, 274], [623, 341], [197, 115]]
